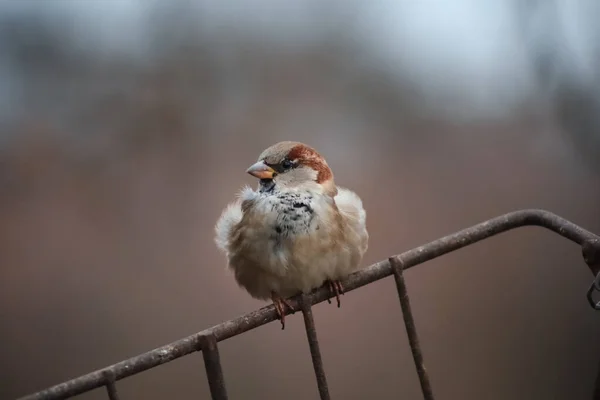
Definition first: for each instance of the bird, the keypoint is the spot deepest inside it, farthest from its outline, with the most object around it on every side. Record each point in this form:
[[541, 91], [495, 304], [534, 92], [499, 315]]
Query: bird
[[296, 231]]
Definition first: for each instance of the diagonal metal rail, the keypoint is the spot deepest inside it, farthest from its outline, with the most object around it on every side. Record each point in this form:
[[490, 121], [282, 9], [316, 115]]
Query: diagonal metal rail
[[207, 340]]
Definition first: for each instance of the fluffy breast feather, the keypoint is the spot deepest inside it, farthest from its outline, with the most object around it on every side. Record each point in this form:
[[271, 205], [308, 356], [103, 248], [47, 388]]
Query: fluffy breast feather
[[230, 217], [291, 242]]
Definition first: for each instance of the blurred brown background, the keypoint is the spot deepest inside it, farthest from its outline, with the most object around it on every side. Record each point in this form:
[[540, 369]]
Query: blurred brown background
[[126, 127]]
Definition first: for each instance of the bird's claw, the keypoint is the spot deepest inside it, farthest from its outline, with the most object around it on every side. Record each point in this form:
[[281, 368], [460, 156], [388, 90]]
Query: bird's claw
[[280, 303], [335, 288]]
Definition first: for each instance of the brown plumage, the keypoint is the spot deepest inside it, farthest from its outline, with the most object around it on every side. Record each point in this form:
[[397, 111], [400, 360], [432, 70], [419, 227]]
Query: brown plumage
[[296, 232]]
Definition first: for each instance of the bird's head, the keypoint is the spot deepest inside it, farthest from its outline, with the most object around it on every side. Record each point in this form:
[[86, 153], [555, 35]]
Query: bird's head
[[287, 165]]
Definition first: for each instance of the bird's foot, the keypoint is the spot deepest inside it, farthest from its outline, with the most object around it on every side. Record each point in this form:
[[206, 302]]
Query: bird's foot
[[335, 288], [280, 303]]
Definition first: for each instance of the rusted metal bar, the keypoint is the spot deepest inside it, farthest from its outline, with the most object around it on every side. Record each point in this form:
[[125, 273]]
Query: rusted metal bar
[[411, 330], [212, 363], [111, 388], [313, 343], [361, 278]]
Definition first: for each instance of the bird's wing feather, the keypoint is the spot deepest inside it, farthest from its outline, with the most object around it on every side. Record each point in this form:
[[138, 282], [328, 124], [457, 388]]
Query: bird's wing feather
[[353, 213]]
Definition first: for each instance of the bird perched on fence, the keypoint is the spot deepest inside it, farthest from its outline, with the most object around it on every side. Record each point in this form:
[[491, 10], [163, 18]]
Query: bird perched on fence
[[296, 232]]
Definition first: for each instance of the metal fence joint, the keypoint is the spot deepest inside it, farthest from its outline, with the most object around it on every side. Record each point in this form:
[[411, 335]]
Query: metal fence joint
[[111, 388]]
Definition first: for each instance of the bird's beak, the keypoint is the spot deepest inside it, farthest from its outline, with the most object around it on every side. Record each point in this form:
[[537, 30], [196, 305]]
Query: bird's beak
[[261, 170]]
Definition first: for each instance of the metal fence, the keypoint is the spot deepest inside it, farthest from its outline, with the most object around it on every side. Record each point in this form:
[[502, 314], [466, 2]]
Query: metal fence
[[207, 340]]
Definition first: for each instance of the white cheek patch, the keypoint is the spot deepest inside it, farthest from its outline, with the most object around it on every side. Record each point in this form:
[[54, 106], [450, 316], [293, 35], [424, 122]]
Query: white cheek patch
[[297, 177], [312, 174]]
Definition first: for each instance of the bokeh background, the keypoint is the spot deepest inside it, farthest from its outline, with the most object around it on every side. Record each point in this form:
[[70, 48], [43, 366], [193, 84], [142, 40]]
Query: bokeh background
[[126, 127]]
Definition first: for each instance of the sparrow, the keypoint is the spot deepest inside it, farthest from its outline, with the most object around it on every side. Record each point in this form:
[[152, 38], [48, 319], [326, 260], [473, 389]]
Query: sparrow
[[296, 232]]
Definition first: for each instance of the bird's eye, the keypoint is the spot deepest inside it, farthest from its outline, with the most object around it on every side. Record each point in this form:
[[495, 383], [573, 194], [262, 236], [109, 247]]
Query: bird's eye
[[286, 164]]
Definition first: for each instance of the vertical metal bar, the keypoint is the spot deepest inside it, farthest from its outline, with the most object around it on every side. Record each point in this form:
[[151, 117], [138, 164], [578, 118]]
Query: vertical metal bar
[[212, 363], [111, 388], [315, 352], [590, 251], [411, 331], [596, 395]]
